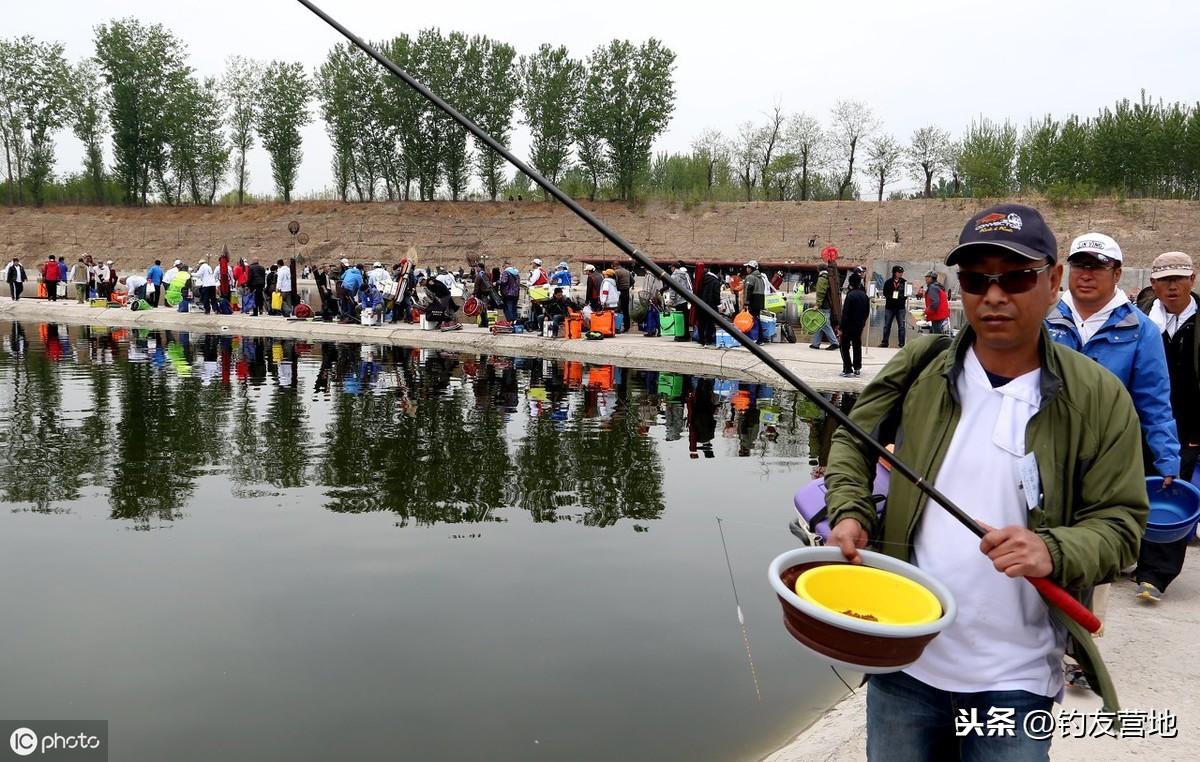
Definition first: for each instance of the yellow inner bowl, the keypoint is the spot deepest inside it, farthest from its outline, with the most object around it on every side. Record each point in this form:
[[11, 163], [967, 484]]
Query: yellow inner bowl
[[869, 594]]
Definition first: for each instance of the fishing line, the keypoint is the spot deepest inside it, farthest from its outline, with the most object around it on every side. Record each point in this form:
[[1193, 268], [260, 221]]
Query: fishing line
[[741, 618], [1052, 592], [839, 677]]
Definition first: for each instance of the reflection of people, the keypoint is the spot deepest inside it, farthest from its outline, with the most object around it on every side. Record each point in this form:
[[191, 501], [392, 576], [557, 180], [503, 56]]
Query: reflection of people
[[1042, 447], [702, 419]]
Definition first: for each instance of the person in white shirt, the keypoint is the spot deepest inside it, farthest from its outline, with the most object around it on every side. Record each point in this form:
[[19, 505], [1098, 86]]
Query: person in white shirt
[[135, 286], [445, 277], [378, 276], [537, 276], [1035, 442], [283, 284], [206, 280]]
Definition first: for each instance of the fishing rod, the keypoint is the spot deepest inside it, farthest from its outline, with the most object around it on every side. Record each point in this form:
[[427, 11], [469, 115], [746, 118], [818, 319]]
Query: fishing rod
[[1052, 592]]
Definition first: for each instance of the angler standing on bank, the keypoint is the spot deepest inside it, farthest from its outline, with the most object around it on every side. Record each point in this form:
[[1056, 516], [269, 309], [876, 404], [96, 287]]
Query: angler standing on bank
[[1036, 442]]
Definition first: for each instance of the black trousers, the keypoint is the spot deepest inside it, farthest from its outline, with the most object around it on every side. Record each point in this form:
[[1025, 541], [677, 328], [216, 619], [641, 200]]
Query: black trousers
[[154, 297], [15, 287], [52, 290], [1159, 563], [708, 328], [851, 343], [259, 298], [623, 306]]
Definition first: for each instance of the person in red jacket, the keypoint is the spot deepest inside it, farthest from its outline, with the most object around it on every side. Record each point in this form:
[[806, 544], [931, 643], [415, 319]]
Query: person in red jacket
[[241, 278], [937, 303], [50, 278]]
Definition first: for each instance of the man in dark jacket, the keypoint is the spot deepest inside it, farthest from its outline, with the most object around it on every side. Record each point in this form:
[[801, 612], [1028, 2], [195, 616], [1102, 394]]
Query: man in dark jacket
[[754, 286], [592, 295], [1172, 308], [624, 280], [256, 283], [710, 294], [894, 303], [15, 276], [483, 293], [856, 309]]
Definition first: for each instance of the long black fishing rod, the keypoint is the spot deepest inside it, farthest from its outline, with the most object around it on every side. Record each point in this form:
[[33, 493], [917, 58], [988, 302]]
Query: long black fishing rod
[[1051, 591]]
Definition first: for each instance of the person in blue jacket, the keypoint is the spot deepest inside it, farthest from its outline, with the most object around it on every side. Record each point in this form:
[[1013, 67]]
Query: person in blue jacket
[[154, 275], [1096, 318], [352, 283], [561, 276]]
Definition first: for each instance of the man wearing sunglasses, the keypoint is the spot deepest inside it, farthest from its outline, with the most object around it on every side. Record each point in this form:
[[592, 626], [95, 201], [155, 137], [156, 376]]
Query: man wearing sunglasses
[[1037, 443], [1096, 318]]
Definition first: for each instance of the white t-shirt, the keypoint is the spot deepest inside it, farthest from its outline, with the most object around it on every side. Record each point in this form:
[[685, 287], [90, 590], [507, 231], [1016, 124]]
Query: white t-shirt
[[169, 276], [1003, 638], [134, 282], [283, 280], [205, 276], [1087, 328]]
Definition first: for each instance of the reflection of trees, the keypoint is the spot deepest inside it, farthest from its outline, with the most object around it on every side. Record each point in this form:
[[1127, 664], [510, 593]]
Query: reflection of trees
[[614, 470], [40, 464], [426, 467], [286, 430], [165, 435]]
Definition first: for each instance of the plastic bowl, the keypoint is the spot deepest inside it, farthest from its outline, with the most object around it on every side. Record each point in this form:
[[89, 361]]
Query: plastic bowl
[[1174, 511], [846, 641], [869, 594]]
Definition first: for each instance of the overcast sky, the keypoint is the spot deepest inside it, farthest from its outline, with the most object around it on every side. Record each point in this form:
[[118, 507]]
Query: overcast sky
[[915, 63]]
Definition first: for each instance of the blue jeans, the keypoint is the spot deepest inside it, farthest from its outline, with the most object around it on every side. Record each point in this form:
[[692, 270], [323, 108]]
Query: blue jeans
[[893, 315], [940, 326], [825, 334], [909, 721], [510, 309]]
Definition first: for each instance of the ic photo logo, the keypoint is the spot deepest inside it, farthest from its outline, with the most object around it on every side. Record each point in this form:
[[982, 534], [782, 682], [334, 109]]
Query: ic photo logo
[[54, 740], [23, 742]]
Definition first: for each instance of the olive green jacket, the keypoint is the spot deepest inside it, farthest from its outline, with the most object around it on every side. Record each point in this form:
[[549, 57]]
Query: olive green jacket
[[1086, 439]]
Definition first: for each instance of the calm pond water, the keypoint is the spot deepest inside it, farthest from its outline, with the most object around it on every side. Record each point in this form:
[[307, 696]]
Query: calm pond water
[[247, 548]]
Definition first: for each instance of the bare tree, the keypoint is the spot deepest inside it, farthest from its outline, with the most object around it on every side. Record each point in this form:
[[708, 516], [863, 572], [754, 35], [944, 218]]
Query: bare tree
[[806, 140], [951, 159], [712, 146], [852, 122], [769, 139], [745, 156], [927, 154], [883, 160]]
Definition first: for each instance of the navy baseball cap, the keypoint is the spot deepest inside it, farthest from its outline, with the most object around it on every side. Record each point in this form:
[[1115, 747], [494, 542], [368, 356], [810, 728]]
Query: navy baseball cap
[[1015, 227]]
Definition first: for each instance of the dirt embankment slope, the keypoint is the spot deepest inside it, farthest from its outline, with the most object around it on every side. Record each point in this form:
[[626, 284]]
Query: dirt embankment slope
[[447, 233]]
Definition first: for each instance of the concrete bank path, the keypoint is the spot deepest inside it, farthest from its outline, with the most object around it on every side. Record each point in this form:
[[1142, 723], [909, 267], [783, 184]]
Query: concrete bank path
[[1150, 650], [817, 367]]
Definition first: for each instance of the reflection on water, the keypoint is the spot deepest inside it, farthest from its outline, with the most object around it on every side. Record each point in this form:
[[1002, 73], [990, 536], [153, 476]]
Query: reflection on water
[[319, 496]]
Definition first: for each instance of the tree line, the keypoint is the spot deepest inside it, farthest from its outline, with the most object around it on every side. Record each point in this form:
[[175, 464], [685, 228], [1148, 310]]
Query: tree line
[[179, 138]]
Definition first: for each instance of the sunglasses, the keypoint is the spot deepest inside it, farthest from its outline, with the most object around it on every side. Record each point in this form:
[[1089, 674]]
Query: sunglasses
[[1011, 282]]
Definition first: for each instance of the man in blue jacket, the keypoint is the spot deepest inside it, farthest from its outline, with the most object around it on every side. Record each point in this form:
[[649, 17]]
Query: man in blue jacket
[[1096, 318]]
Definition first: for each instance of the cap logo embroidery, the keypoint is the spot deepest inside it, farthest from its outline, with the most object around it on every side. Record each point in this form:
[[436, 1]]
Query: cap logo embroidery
[[999, 223], [1090, 244]]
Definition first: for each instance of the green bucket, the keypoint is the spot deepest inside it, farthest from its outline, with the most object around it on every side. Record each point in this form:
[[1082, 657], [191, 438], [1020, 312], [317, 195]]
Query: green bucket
[[670, 384]]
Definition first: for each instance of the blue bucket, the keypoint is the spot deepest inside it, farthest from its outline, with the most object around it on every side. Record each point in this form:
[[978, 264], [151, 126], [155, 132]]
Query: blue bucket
[[1173, 511]]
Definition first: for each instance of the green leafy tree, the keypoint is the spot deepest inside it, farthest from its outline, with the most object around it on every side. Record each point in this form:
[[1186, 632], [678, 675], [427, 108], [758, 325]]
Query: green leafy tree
[[239, 86], [87, 113], [143, 67], [401, 109], [551, 89], [636, 92], [12, 134], [713, 149], [588, 132], [497, 92], [283, 111], [36, 82], [987, 158]]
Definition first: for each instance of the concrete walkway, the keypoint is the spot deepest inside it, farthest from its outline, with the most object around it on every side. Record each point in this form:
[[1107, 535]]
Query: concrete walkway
[[820, 368], [1149, 650]]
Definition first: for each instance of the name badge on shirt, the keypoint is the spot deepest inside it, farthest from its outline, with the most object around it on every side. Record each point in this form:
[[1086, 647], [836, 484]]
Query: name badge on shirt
[[1030, 480]]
